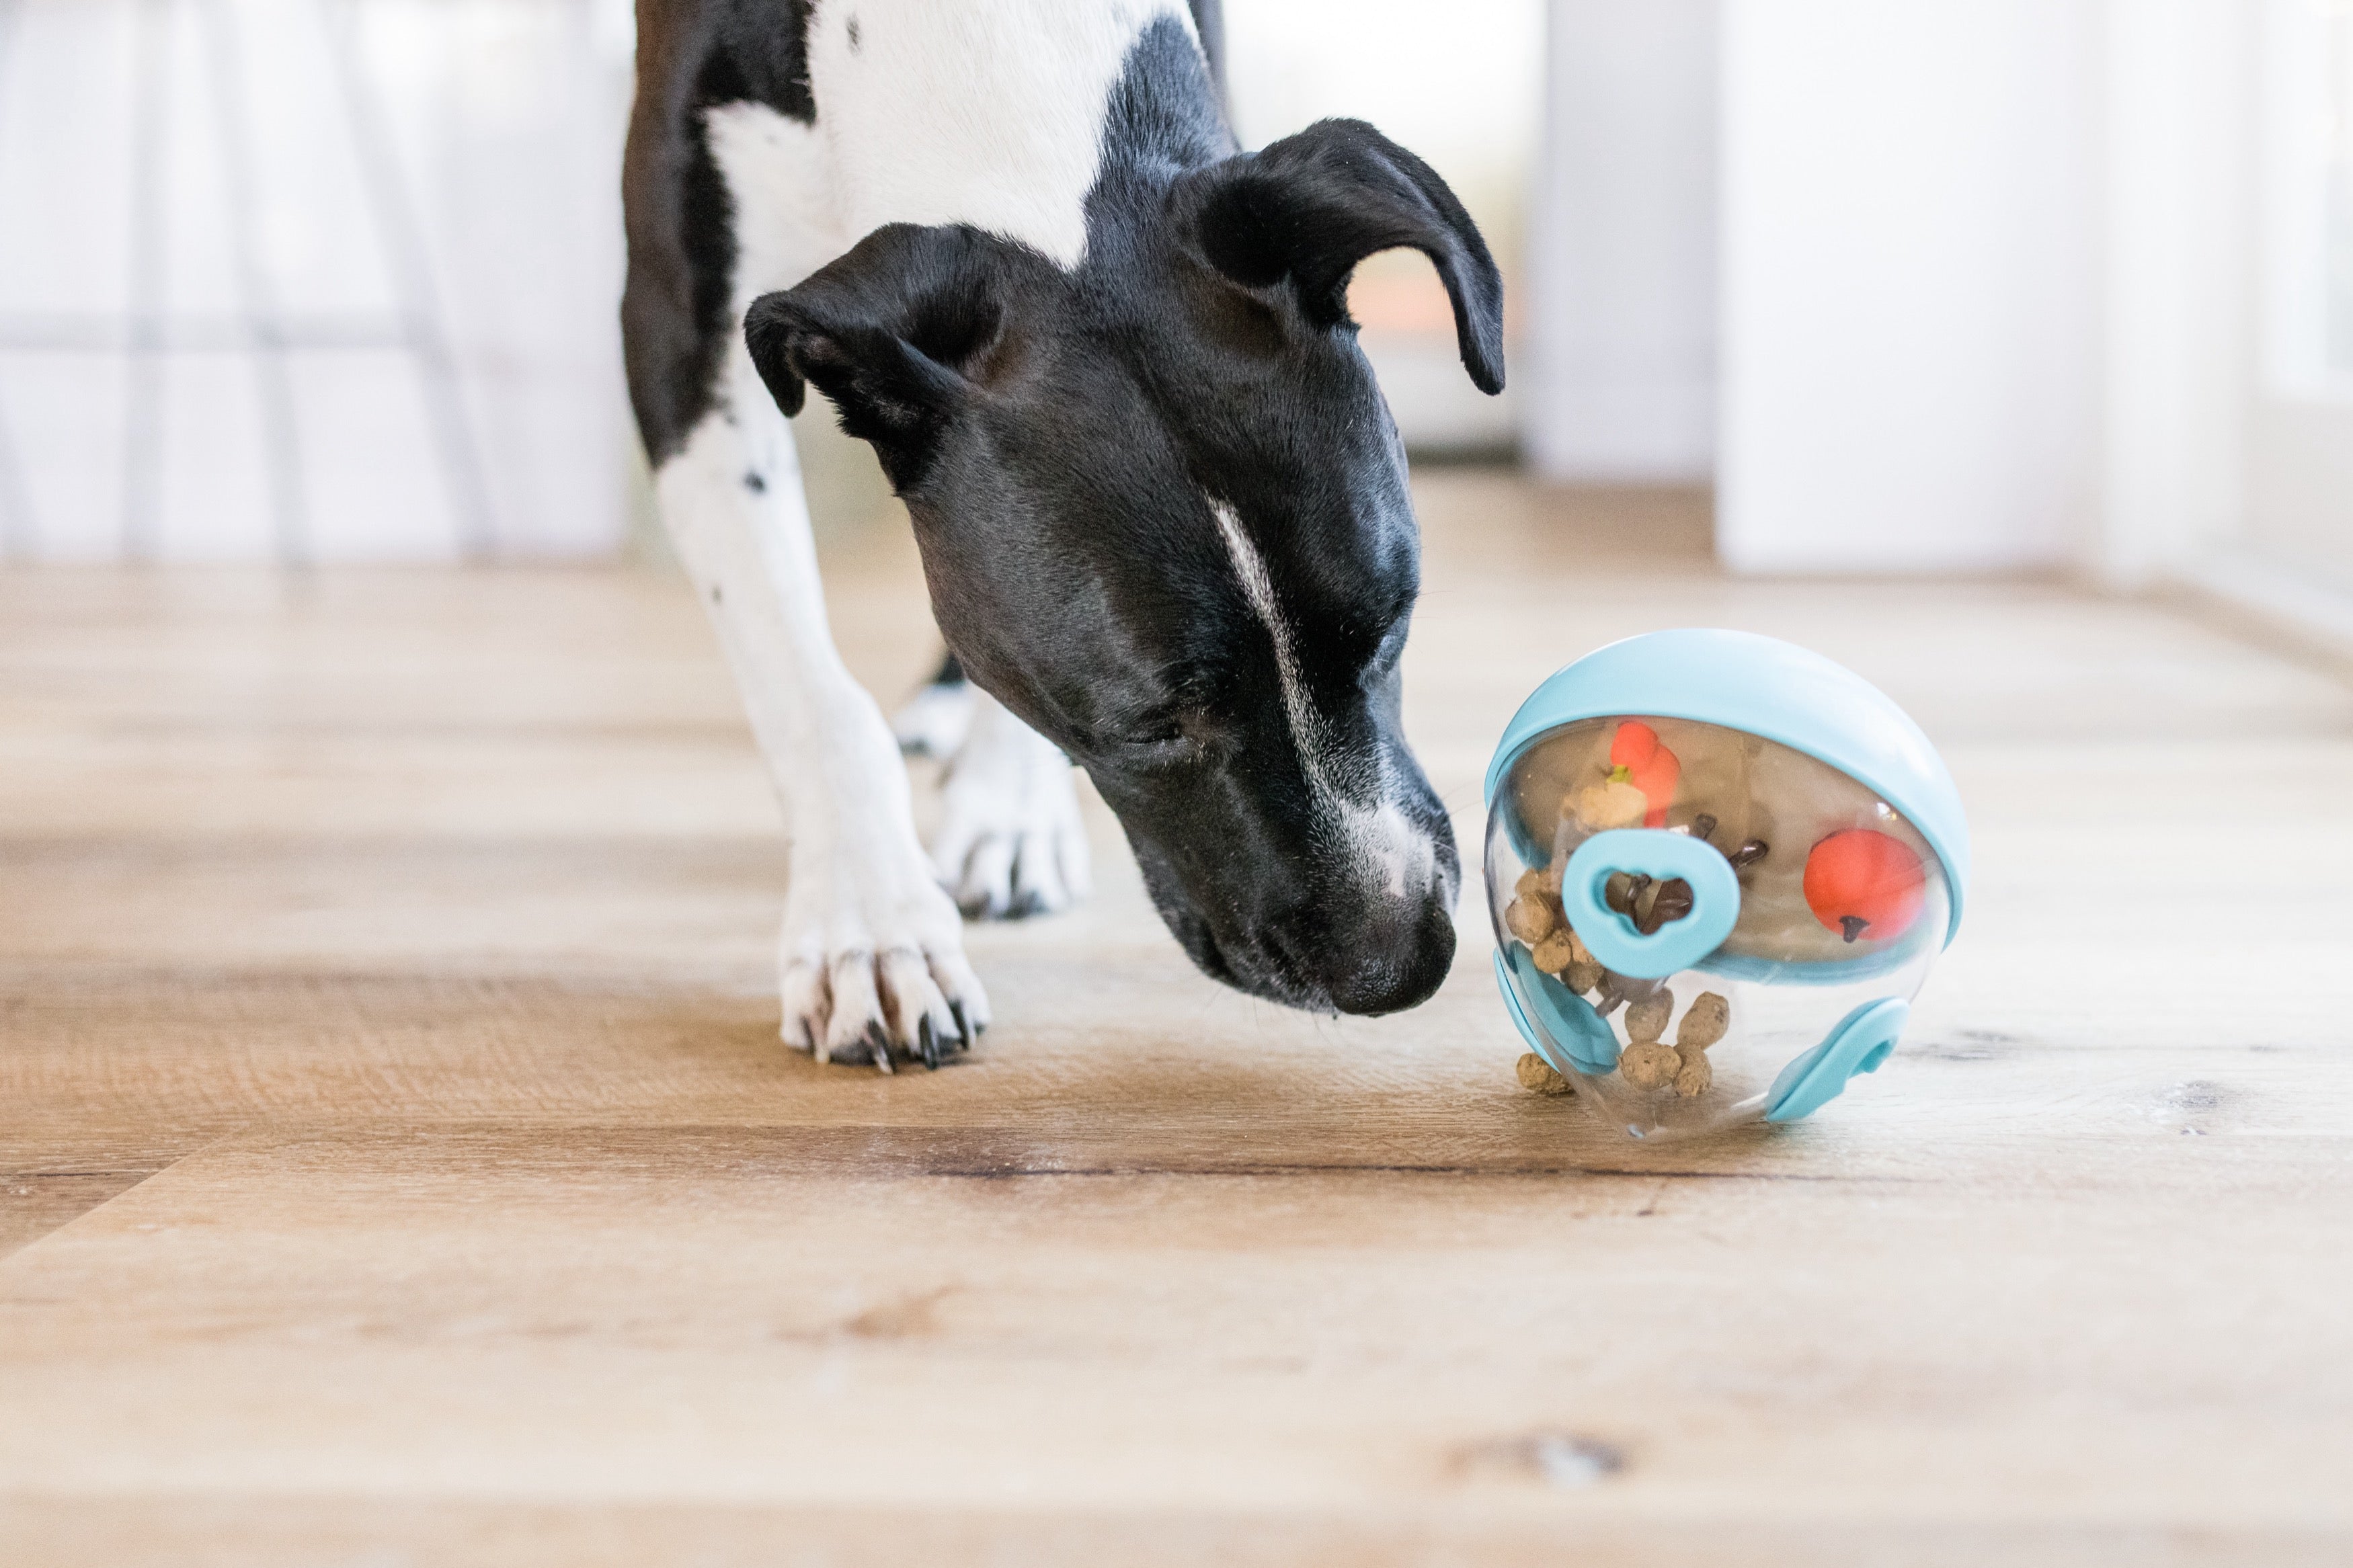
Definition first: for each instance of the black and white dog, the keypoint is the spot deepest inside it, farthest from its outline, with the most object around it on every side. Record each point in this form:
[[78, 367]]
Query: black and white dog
[[1106, 361]]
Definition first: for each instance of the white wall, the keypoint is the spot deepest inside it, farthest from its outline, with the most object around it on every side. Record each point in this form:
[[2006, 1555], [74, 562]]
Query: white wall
[[2176, 273], [2298, 513], [2229, 452], [457, 188], [1909, 254], [1620, 361], [2005, 283], [1464, 90]]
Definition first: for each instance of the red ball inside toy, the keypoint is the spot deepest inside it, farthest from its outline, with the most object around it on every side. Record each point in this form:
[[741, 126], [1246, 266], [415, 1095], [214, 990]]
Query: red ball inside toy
[[1862, 883], [1636, 757]]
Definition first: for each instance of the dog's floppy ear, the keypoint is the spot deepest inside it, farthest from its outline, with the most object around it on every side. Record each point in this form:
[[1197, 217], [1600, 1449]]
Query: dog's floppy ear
[[1311, 207], [890, 331]]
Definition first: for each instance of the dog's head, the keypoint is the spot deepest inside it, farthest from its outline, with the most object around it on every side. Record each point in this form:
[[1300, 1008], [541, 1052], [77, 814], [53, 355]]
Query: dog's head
[[1163, 512]]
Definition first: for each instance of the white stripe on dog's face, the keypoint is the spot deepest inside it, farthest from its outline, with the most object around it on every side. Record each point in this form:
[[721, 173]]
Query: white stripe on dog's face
[[1394, 855]]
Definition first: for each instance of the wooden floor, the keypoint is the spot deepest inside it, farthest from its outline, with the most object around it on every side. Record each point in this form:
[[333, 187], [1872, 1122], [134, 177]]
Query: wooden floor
[[400, 1166]]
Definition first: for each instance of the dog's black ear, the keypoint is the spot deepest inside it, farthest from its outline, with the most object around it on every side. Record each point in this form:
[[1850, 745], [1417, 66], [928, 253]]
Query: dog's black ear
[[1311, 207], [891, 332]]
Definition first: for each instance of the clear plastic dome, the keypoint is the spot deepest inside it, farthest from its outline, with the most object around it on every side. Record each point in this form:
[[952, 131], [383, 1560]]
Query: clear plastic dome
[[1688, 915]]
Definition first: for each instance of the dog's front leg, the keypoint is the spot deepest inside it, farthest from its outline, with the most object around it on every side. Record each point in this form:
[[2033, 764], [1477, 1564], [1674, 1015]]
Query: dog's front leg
[[872, 952], [1011, 842]]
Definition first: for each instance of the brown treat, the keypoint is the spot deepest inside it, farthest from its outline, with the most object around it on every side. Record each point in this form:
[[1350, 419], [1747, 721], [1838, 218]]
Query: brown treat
[[1672, 902], [1694, 1077], [1537, 1077], [1530, 920], [1705, 1024], [1582, 977], [1537, 882], [1554, 953], [1621, 890], [1646, 1064], [1647, 901], [1578, 950], [1646, 1020]]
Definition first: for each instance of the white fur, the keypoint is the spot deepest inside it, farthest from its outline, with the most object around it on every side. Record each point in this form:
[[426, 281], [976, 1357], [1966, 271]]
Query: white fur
[[961, 111], [1011, 840], [780, 175], [934, 722], [1376, 838], [870, 941], [989, 113]]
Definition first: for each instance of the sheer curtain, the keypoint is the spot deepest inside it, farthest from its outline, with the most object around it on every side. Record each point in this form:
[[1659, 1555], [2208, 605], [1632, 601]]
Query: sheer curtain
[[310, 279]]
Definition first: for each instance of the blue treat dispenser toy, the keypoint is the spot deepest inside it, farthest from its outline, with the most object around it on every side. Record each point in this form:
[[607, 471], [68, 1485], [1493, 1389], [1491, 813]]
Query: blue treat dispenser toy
[[1719, 866]]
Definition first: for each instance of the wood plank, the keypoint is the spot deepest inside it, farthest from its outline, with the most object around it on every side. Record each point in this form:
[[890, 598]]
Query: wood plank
[[528, 1303], [34, 1203], [416, 929], [209, 1532]]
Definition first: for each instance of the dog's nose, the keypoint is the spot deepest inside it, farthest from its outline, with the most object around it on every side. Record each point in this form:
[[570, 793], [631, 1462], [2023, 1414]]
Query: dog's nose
[[1391, 960]]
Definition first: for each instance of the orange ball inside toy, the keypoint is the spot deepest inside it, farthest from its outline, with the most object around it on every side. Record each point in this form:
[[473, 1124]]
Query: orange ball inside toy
[[1863, 883], [1636, 756]]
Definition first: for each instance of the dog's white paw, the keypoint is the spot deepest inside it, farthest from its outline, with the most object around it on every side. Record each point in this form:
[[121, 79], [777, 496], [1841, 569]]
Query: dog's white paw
[[1011, 842], [936, 721], [872, 961]]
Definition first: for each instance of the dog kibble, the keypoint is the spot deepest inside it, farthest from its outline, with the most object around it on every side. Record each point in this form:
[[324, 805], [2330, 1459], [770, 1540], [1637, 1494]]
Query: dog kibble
[[1582, 976], [1530, 920], [1704, 1023], [1602, 807], [1647, 1064], [1537, 1077], [1646, 1020], [1694, 1075], [1562, 954]]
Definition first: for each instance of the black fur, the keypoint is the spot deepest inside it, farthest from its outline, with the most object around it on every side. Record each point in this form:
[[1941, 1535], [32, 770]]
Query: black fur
[[1059, 438], [693, 55], [1308, 208], [676, 316]]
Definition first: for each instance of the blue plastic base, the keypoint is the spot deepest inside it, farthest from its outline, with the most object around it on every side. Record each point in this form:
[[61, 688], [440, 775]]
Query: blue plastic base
[[1857, 1044], [1570, 1024]]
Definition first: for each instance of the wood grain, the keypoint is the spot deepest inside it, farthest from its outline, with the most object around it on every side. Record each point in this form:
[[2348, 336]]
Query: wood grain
[[400, 1164]]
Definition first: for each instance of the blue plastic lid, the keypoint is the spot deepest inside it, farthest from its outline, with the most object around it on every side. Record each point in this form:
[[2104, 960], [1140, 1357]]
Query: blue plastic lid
[[1766, 686]]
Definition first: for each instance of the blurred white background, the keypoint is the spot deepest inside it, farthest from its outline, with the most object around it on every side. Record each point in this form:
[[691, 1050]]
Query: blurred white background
[[1914, 285], [1962, 285], [335, 279], [310, 279]]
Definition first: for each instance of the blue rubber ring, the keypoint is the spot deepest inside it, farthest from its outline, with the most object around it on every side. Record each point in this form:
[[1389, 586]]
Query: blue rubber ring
[[1859, 1043], [1650, 852]]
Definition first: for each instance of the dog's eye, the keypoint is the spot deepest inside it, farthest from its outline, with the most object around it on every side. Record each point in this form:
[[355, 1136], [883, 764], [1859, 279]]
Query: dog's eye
[[1158, 745], [1162, 751], [1163, 739]]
